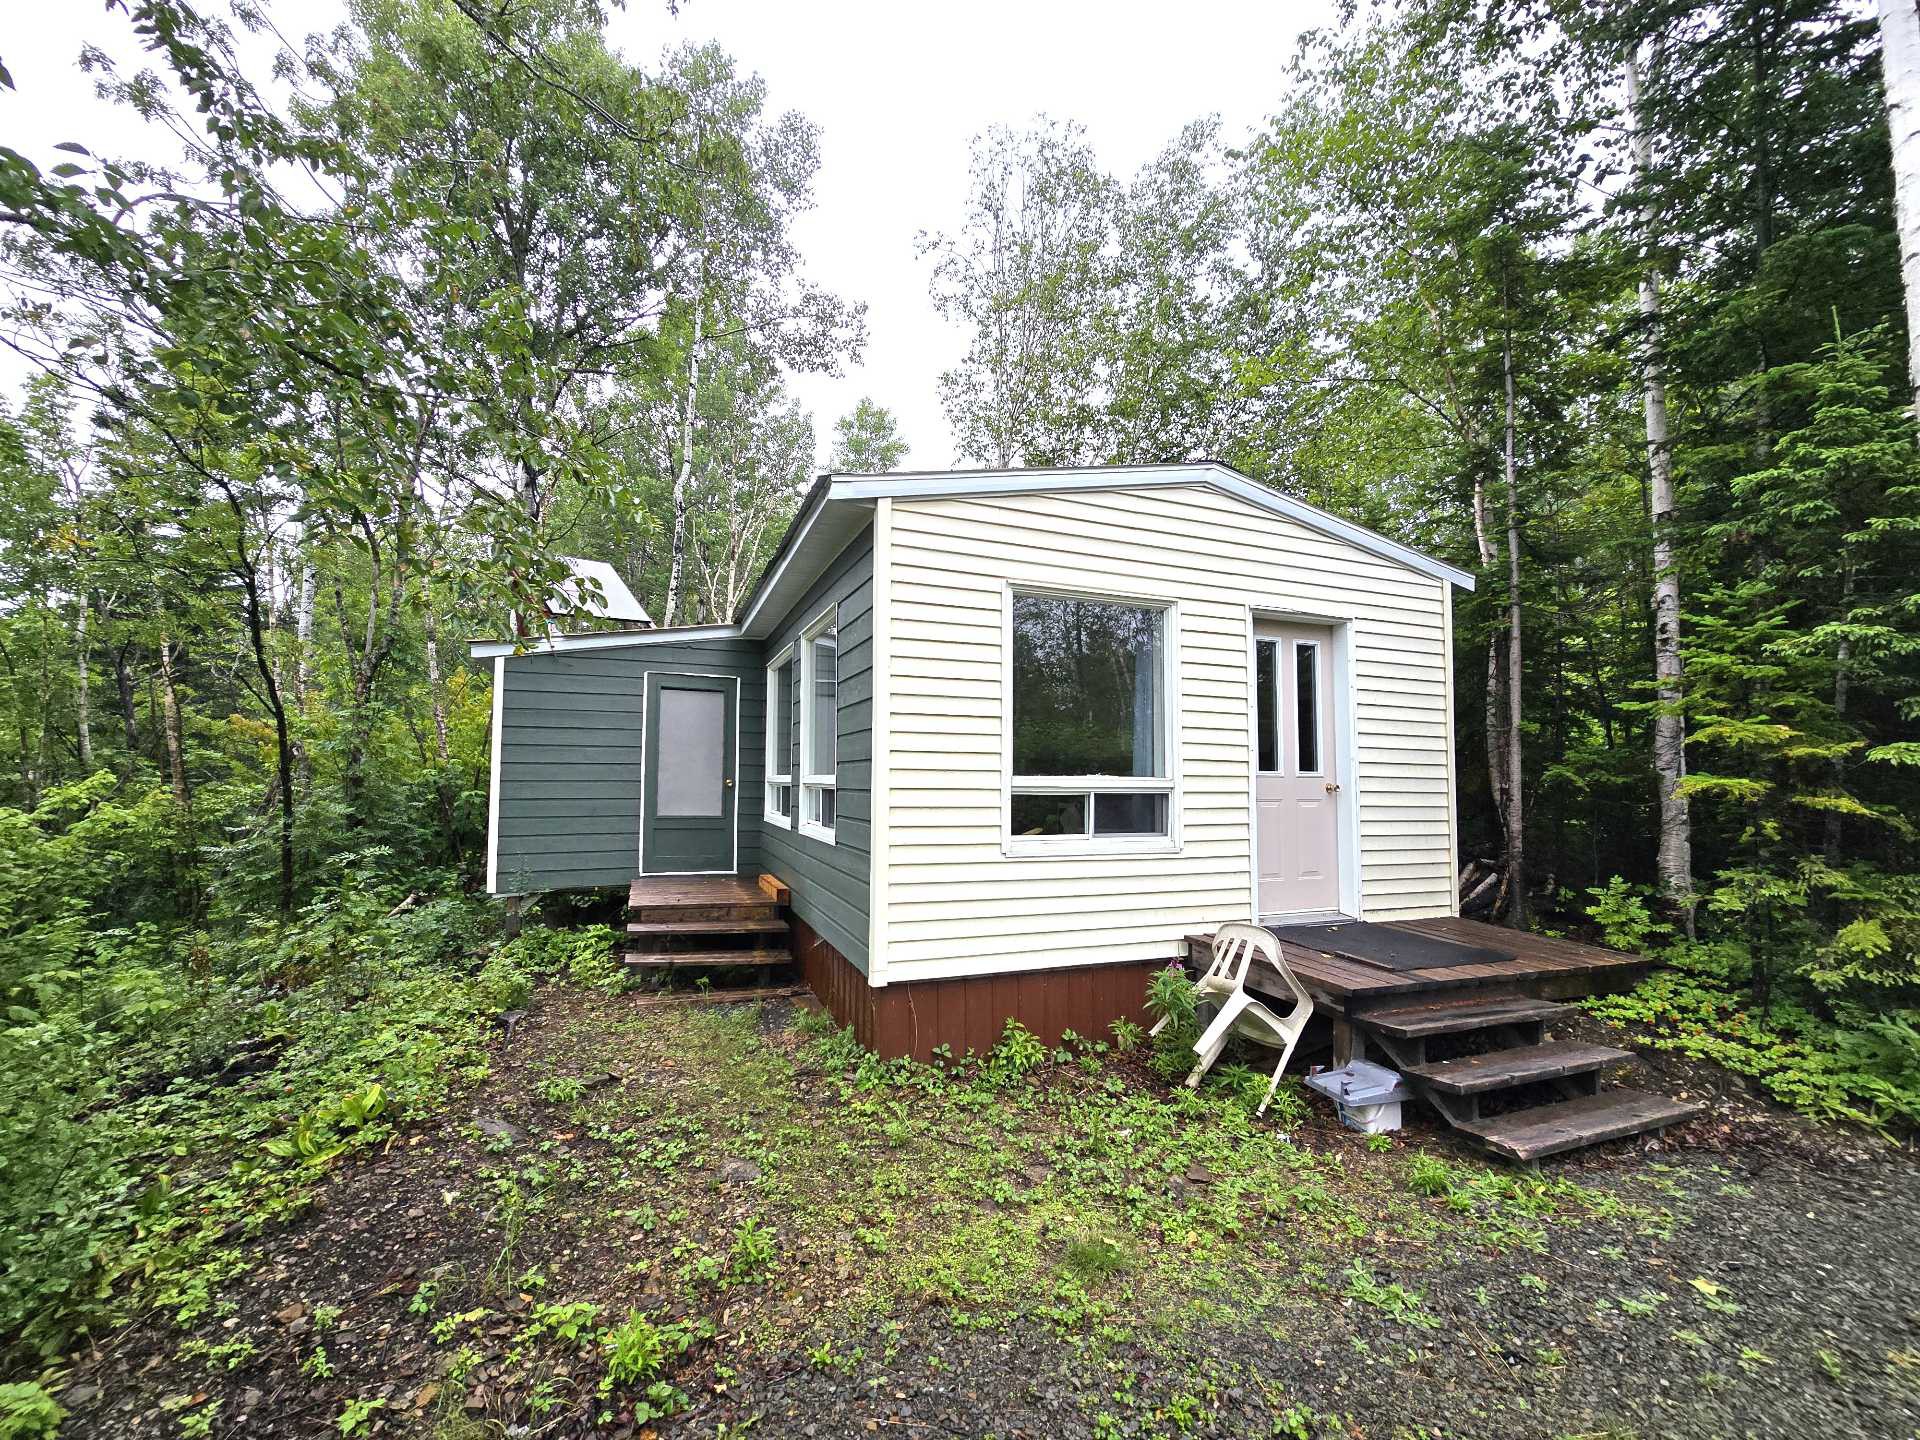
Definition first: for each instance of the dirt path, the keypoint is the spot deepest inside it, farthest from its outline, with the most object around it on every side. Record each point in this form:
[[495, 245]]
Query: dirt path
[[705, 1221]]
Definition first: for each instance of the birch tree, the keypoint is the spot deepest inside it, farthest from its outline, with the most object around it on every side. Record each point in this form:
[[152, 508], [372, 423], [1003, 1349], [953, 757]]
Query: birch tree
[[1675, 857], [1900, 59]]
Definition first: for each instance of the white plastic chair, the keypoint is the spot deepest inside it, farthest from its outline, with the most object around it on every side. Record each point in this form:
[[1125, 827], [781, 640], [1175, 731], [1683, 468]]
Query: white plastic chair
[[1235, 945]]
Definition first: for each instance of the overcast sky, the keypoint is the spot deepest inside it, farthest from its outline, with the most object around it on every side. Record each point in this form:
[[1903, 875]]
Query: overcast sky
[[897, 91]]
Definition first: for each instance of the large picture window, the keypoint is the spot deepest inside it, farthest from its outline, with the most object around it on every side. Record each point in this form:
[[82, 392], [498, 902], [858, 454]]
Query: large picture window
[[782, 741], [819, 709], [1090, 722]]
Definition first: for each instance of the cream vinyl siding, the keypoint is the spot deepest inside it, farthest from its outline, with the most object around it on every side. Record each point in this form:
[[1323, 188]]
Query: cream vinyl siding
[[957, 904]]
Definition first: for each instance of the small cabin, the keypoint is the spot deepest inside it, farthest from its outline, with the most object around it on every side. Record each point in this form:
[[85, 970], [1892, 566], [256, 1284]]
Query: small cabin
[[1007, 738]]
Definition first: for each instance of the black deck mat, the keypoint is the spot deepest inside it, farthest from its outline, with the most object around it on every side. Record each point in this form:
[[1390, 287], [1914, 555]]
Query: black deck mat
[[1384, 946]]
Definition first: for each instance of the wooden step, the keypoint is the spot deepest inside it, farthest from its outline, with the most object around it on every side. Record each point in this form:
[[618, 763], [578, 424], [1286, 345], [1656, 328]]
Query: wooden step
[[703, 959], [712, 915], [694, 889], [760, 926], [1416, 1022], [1550, 1129], [1522, 1065]]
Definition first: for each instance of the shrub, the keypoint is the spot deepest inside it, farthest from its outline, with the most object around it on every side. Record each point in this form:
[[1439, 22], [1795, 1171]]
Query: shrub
[[1621, 911], [1171, 997], [1018, 1054], [1859, 1066], [28, 1412]]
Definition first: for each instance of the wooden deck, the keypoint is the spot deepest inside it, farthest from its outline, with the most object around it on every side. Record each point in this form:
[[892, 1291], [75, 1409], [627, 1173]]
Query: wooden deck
[[1542, 966], [1489, 1022]]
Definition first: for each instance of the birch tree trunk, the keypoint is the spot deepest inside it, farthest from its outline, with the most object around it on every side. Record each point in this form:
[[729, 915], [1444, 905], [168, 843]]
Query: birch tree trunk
[[1516, 810], [1669, 723], [303, 664], [1496, 709], [82, 696], [303, 629], [683, 472], [1900, 66], [435, 691], [170, 715]]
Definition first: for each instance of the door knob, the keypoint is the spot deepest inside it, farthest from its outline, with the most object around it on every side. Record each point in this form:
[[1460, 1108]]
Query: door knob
[[730, 785], [1331, 787]]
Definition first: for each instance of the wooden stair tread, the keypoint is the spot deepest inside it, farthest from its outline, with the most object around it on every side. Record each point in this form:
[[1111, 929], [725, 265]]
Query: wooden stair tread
[[639, 960], [650, 890], [756, 926], [711, 916], [1549, 1129], [1521, 1065], [1414, 1022]]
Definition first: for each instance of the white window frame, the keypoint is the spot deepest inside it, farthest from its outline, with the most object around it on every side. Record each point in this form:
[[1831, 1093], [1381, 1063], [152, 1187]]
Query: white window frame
[[811, 785], [1087, 843], [778, 767]]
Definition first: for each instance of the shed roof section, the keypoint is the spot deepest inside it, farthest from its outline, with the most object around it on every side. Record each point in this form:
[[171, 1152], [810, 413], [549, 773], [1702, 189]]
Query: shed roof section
[[839, 506], [611, 600]]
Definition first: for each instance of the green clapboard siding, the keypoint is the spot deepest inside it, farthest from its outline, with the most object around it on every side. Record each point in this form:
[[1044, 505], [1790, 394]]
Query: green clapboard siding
[[571, 752], [572, 760], [831, 883]]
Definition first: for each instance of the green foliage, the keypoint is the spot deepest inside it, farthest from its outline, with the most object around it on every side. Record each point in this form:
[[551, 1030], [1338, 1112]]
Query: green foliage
[[1624, 916], [867, 440], [243, 1063], [636, 1351], [1393, 1300], [572, 1322], [1171, 997], [357, 1416], [1095, 1258], [28, 1412], [1859, 1066], [751, 1259], [1018, 1054]]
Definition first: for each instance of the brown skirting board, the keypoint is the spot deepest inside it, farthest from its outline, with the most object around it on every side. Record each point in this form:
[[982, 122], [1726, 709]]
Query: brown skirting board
[[917, 1017]]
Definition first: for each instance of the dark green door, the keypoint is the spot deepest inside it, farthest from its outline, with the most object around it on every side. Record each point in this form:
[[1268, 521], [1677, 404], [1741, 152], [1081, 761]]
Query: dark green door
[[688, 796]]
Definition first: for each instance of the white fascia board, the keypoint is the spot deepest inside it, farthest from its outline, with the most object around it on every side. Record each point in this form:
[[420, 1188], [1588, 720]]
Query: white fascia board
[[820, 533], [614, 640], [771, 582], [941, 484]]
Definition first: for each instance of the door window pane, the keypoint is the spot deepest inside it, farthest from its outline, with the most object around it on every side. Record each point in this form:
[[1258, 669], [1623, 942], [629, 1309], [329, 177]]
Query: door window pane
[[1129, 814], [1086, 688], [1306, 680], [1266, 702], [1049, 815], [692, 742]]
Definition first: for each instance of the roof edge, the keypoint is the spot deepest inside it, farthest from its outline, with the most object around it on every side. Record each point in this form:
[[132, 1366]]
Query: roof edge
[[928, 484], [601, 640]]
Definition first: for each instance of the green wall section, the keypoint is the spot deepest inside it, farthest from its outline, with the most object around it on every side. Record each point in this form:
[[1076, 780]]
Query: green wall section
[[832, 883], [571, 762]]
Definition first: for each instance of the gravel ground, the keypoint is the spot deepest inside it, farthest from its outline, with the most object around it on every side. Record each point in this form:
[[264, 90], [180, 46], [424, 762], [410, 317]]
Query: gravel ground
[[1816, 1264], [1756, 1278]]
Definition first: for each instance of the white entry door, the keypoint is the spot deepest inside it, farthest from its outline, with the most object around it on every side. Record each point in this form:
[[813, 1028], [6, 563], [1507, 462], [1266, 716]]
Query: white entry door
[[1297, 834]]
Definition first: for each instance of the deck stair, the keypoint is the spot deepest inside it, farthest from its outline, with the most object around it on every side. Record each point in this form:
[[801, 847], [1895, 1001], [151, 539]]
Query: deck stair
[[1487, 1065], [704, 922]]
